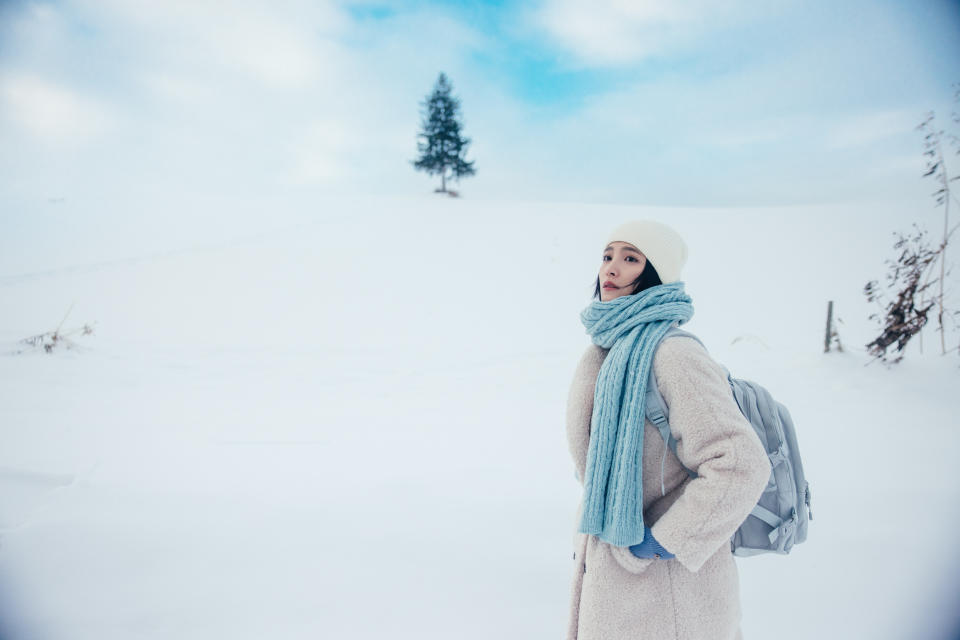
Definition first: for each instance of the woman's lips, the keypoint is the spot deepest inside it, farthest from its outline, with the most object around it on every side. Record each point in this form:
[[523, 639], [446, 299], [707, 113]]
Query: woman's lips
[[609, 285]]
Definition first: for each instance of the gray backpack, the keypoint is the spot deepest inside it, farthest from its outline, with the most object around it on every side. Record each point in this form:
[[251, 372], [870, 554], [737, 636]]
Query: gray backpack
[[779, 520]]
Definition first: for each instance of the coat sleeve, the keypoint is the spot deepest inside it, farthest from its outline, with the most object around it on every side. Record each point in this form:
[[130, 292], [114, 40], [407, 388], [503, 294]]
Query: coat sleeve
[[716, 441]]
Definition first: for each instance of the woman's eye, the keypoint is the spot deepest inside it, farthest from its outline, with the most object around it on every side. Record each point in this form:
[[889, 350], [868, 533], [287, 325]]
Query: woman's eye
[[605, 258], [632, 258]]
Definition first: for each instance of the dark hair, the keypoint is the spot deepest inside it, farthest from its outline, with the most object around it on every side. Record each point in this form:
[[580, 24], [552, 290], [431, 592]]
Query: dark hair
[[647, 278]]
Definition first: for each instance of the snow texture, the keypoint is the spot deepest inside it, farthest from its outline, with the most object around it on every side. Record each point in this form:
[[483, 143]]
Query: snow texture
[[346, 420]]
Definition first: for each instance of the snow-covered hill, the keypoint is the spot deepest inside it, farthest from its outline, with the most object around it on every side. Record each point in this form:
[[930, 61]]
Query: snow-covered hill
[[345, 419]]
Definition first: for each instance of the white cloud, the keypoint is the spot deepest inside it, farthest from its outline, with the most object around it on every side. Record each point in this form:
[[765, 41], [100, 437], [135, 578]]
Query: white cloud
[[619, 32], [285, 45], [275, 53], [866, 128], [178, 88], [54, 113]]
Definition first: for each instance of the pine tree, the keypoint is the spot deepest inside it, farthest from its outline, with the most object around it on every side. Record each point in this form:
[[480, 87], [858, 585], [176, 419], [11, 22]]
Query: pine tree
[[440, 144]]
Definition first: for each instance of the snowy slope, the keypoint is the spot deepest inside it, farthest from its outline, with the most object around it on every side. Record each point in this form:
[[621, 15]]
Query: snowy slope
[[346, 419]]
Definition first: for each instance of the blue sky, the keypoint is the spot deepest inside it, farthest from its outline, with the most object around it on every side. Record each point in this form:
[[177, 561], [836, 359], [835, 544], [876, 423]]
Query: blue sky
[[696, 103]]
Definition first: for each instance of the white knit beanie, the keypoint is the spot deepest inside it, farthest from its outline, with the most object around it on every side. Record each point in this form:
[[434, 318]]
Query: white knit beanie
[[663, 246]]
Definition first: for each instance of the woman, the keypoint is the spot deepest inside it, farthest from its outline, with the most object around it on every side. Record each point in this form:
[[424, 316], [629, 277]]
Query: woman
[[652, 551]]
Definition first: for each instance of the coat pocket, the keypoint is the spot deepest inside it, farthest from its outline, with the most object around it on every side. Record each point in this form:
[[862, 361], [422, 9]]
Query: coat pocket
[[627, 560]]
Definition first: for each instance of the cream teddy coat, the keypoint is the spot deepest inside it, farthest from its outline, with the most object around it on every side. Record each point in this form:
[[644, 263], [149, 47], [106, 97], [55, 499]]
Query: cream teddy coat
[[694, 596]]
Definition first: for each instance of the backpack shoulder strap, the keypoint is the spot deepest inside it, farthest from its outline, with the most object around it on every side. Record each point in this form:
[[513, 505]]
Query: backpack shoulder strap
[[676, 331], [656, 407]]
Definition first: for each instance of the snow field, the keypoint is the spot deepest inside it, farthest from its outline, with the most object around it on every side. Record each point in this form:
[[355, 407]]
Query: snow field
[[347, 419]]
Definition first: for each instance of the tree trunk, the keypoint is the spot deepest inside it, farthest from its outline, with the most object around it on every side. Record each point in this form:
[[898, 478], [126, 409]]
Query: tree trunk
[[443, 181]]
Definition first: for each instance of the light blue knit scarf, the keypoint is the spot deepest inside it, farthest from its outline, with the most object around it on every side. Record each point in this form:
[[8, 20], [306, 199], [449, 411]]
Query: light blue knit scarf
[[630, 327]]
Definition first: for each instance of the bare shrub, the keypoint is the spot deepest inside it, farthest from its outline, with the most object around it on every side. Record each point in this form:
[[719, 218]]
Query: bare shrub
[[906, 314], [56, 339]]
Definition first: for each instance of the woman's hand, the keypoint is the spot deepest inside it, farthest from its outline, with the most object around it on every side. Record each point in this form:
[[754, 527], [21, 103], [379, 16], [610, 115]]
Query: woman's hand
[[649, 548]]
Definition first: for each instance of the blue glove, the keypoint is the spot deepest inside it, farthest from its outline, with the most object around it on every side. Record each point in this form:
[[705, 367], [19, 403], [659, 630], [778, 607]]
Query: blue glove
[[649, 548]]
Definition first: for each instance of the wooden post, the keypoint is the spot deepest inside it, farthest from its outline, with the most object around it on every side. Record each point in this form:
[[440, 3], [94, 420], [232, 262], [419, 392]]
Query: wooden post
[[826, 340]]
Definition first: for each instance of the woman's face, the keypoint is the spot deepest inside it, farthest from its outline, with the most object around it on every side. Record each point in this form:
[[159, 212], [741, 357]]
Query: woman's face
[[622, 264]]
